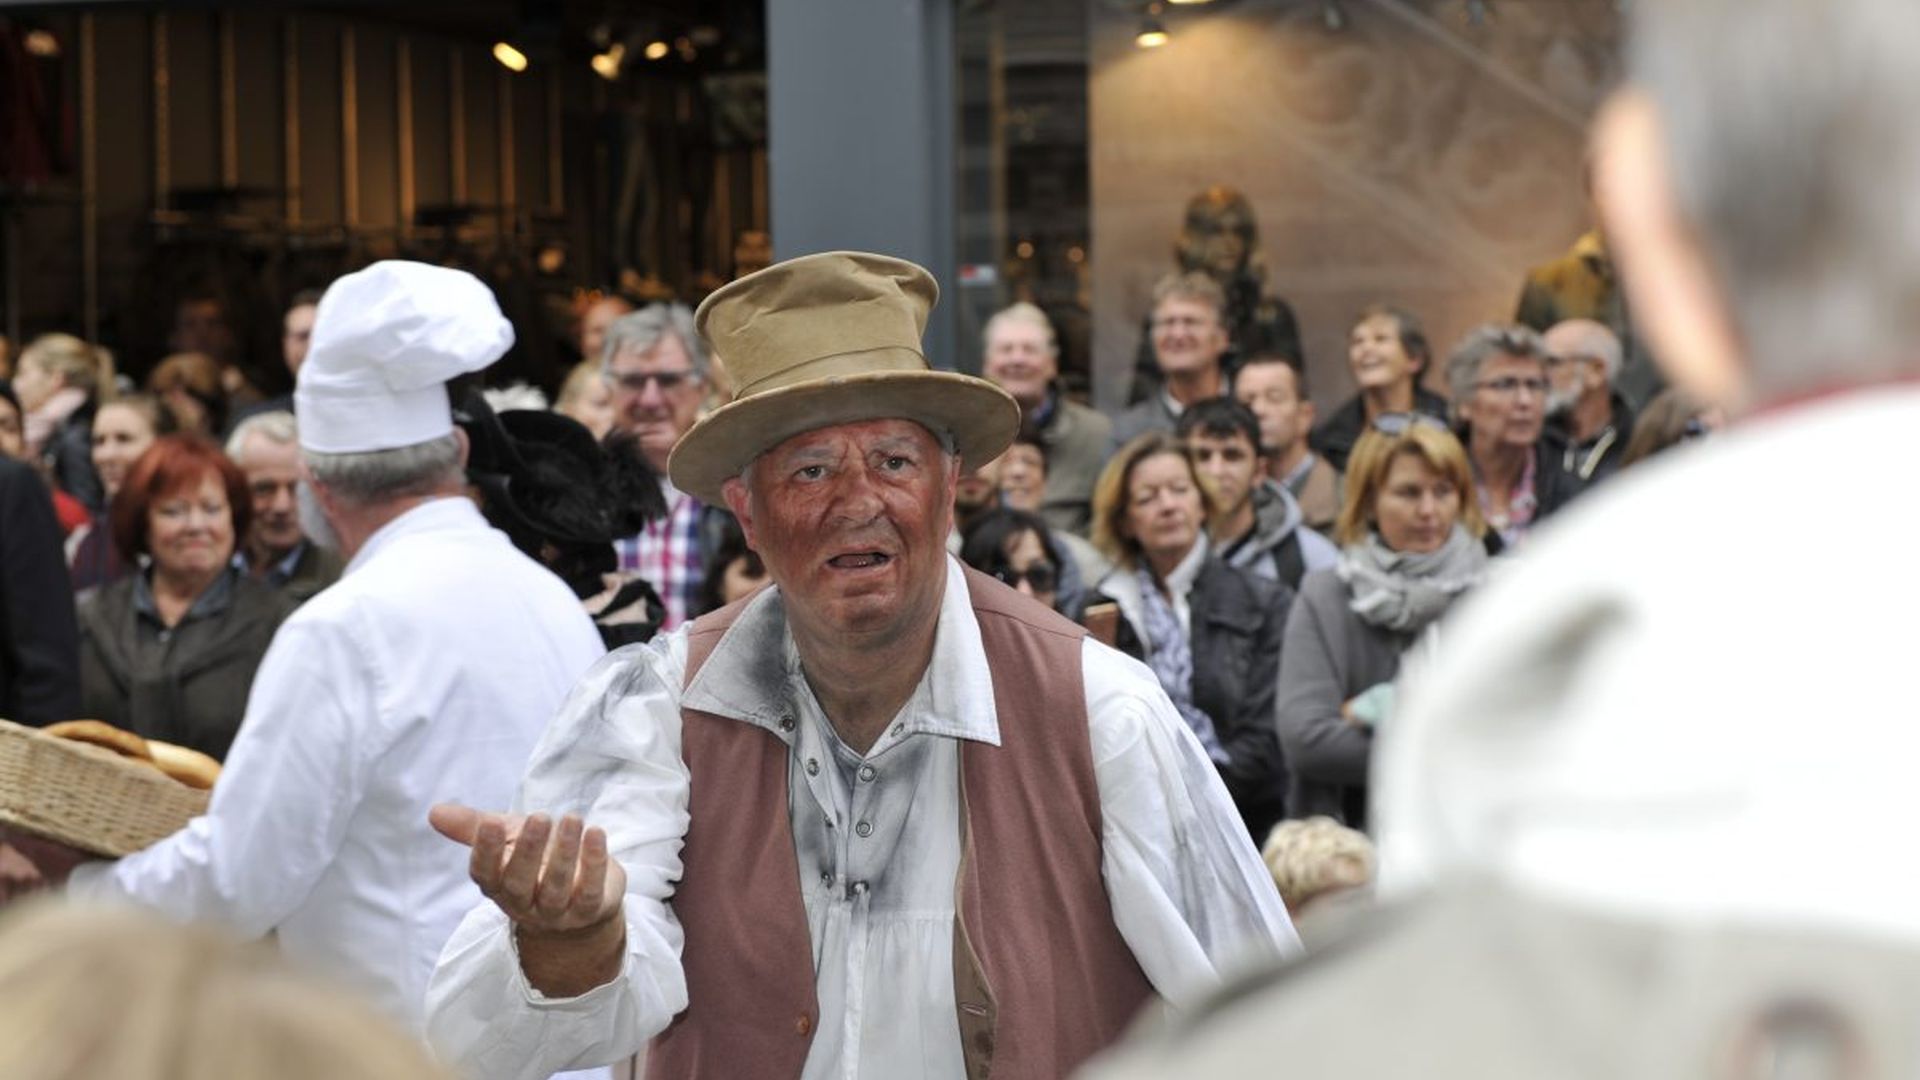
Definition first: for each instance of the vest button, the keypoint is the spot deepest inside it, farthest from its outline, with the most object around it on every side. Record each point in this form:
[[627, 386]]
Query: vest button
[[864, 829], [786, 723], [803, 1026], [866, 772]]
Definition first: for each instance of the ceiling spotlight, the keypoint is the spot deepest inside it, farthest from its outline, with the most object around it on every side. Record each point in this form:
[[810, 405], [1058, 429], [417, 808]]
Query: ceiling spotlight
[[41, 43], [607, 64], [1152, 35], [658, 50], [510, 58]]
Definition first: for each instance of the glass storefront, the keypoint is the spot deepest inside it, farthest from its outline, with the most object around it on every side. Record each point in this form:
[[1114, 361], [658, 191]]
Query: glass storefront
[[1323, 153]]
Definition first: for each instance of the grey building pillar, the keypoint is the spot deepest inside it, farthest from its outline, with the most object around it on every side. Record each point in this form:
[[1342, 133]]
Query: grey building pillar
[[861, 136]]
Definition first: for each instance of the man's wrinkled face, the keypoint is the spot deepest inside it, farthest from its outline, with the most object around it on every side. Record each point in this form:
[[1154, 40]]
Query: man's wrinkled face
[[1187, 336], [656, 395], [852, 523], [273, 477], [1020, 359]]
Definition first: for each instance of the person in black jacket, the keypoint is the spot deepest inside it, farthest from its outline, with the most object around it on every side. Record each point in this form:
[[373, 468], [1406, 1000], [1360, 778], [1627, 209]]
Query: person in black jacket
[[1498, 375], [1210, 632], [39, 639]]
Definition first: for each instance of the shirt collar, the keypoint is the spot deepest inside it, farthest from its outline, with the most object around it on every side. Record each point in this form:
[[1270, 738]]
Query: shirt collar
[[213, 600], [754, 671], [283, 569], [1180, 581], [451, 513]]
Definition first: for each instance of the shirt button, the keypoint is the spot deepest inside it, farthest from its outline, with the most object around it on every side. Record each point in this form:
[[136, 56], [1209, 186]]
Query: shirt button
[[813, 766], [859, 888], [866, 772], [826, 877], [864, 829], [786, 723]]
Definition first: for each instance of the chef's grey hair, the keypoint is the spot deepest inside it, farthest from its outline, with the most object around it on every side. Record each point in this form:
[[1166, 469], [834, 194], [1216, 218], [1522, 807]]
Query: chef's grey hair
[[385, 475]]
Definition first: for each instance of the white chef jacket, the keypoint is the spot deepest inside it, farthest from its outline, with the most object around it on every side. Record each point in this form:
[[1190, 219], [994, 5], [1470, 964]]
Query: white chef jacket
[[1190, 895], [425, 675]]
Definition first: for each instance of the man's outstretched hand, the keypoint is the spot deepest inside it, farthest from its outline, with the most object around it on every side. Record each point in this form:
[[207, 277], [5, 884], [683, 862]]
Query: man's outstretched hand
[[557, 885]]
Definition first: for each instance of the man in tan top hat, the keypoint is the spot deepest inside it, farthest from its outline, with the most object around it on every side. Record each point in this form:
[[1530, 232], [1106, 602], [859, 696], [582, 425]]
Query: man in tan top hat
[[887, 818]]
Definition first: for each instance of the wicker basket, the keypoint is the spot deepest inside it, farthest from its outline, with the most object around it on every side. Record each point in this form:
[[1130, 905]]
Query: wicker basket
[[88, 797]]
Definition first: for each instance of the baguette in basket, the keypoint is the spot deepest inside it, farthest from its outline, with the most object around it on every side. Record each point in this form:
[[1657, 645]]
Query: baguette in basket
[[103, 792], [190, 767]]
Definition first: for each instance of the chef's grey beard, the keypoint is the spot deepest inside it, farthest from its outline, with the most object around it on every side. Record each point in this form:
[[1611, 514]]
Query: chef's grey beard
[[313, 519]]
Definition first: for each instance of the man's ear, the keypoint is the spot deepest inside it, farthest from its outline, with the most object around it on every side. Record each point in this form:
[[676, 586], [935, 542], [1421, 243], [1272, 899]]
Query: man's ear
[[1674, 298], [460, 437], [1308, 415], [740, 501]]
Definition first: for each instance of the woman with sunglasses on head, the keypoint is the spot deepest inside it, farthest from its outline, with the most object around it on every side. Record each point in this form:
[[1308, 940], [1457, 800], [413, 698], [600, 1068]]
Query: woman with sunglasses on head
[[1409, 533], [1498, 376], [1210, 632]]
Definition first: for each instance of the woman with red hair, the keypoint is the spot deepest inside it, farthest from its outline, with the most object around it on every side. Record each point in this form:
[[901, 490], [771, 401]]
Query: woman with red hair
[[169, 652]]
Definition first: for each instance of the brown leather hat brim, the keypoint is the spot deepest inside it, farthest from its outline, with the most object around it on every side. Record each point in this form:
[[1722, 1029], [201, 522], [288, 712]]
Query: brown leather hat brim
[[980, 416]]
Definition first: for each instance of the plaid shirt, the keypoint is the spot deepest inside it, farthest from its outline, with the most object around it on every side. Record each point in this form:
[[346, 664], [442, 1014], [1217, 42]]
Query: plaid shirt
[[667, 554]]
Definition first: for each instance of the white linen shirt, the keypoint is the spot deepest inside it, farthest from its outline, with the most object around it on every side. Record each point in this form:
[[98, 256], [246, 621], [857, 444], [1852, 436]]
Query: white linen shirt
[[876, 839], [425, 675]]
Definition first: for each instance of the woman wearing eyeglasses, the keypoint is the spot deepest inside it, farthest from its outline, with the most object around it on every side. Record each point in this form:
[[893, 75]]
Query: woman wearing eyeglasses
[[1409, 533], [1210, 632], [1498, 376]]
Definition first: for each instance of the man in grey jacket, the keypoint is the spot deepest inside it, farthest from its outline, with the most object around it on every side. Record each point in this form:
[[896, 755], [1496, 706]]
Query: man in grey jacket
[[1260, 526]]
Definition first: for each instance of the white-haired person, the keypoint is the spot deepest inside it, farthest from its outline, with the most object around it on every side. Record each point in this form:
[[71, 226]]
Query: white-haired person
[[1317, 860], [1022, 357], [276, 549]]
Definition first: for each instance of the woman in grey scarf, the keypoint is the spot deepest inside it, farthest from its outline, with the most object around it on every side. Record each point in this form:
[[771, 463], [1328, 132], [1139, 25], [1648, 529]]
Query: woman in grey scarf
[[1410, 534]]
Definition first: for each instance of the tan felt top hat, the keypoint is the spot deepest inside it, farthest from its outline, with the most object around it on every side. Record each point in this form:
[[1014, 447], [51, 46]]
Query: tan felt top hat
[[830, 339]]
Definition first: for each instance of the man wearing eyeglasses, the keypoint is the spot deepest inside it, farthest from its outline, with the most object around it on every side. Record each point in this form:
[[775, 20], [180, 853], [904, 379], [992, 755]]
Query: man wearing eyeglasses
[[1583, 405], [1498, 375], [1190, 342], [658, 370]]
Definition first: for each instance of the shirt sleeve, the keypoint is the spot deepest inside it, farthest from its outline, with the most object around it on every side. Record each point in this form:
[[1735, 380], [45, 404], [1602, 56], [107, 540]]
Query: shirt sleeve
[[612, 756], [1190, 895], [297, 773]]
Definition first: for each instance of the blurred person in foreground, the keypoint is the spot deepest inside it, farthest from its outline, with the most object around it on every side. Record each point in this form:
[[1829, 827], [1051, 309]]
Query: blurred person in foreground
[[426, 673], [1023, 358], [1209, 631], [1588, 796], [169, 651], [1410, 536], [101, 992], [886, 817], [276, 549], [123, 429], [1498, 375]]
